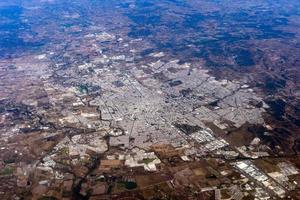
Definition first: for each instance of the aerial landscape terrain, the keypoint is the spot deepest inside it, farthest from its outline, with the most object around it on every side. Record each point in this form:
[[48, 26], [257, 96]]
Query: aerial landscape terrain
[[149, 99]]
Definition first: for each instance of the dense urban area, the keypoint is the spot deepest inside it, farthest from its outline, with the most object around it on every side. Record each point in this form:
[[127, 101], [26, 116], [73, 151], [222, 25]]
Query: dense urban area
[[149, 99]]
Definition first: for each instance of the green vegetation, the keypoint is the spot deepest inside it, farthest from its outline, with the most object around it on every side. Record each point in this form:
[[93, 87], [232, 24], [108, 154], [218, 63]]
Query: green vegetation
[[148, 160], [91, 70], [129, 185], [85, 161], [109, 190], [120, 185], [6, 171], [63, 151], [9, 160], [83, 88]]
